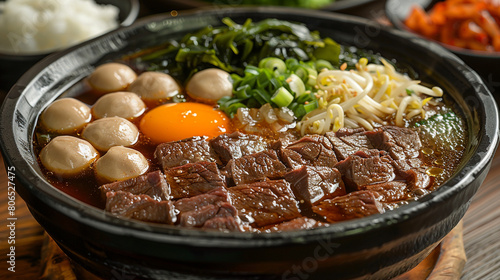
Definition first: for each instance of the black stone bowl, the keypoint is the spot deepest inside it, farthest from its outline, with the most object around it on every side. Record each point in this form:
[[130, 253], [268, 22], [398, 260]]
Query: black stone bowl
[[484, 63], [13, 66], [337, 5], [376, 247]]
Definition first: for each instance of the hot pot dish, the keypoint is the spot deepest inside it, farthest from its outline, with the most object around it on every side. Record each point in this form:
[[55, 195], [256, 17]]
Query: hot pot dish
[[260, 136], [252, 129]]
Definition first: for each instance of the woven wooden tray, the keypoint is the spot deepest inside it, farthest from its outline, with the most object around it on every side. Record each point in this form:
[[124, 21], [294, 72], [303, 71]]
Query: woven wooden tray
[[445, 262]]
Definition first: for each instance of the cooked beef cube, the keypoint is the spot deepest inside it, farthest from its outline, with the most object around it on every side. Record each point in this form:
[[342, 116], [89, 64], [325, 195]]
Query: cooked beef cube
[[192, 203], [417, 179], [236, 145], [373, 153], [223, 224], [295, 224], [199, 216], [400, 142], [349, 131], [289, 137], [291, 158], [351, 206], [152, 184], [404, 165], [285, 139], [264, 203], [413, 172], [226, 219], [140, 207], [347, 142], [255, 167], [195, 211], [221, 216], [219, 211], [391, 191], [366, 168], [320, 139], [309, 150], [177, 153], [227, 210], [312, 184], [412, 163], [194, 178]]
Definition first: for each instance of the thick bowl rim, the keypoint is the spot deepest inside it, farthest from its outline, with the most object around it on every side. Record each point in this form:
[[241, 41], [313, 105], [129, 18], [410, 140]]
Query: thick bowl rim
[[395, 20], [128, 20], [94, 217], [334, 6]]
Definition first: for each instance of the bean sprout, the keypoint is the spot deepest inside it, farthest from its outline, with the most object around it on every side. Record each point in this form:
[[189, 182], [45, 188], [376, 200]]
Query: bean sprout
[[367, 97]]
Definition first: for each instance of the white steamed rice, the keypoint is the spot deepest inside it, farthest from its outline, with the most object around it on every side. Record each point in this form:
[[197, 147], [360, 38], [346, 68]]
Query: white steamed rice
[[38, 26]]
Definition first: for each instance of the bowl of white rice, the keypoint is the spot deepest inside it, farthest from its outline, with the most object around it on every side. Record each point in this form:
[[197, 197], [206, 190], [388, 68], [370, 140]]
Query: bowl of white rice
[[32, 29]]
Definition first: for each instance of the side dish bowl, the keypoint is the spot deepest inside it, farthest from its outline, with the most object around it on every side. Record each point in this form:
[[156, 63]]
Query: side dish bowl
[[483, 63], [12, 66], [376, 247]]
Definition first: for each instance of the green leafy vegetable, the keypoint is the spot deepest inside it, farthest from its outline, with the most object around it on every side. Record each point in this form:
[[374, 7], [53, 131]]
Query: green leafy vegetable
[[270, 61], [234, 46]]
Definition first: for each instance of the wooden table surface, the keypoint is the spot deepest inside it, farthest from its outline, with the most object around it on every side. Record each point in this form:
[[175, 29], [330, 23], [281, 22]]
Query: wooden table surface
[[481, 224]]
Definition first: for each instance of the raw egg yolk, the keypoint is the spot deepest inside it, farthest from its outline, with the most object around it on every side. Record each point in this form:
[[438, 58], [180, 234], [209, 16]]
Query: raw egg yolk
[[176, 121]]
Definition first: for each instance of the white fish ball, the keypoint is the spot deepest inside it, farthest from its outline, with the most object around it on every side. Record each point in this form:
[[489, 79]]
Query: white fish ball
[[68, 155], [127, 105], [155, 86], [120, 163], [65, 116], [111, 77], [210, 85], [108, 132]]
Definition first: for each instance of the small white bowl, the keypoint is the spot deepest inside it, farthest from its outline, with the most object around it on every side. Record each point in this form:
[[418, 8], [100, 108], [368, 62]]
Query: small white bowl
[[12, 66]]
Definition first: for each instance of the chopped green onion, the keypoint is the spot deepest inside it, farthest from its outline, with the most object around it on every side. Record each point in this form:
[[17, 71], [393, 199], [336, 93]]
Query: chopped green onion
[[251, 70], [291, 63], [274, 64], [253, 103], [322, 64], [261, 96], [265, 84], [282, 97], [311, 77], [263, 79], [296, 84], [310, 106], [300, 110], [243, 92], [306, 73], [306, 97], [233, 109], [301, 72], [275, 82]]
